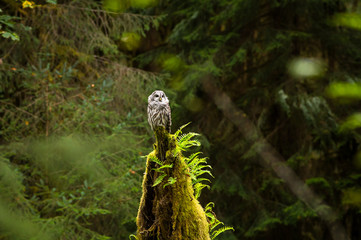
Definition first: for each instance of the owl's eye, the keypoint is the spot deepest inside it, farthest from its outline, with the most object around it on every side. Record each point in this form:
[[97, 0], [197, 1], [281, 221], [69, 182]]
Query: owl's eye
[[162, 95], [156, 95]]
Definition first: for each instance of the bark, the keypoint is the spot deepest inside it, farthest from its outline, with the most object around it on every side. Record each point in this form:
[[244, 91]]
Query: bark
[[169, 212]]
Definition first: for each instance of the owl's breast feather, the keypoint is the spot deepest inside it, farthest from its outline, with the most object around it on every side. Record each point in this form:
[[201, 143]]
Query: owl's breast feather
[[162, 105]]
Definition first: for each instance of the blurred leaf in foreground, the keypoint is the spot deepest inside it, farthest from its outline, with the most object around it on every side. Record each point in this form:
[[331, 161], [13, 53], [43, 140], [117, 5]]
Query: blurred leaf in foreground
[[130, 41], [352, 197], [352, 122], [344, 90], [143, 3], [116, 6], [350, 20]]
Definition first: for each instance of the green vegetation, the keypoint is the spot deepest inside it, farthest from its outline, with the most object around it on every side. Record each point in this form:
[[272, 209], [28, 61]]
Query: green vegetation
[[273, 88], [170, 211], [169, 208]]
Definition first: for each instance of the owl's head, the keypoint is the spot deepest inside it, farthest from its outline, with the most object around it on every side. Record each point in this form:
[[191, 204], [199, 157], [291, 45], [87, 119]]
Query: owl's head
[[158, 96]]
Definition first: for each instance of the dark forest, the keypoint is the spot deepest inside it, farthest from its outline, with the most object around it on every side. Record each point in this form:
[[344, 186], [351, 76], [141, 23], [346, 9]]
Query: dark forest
[[270, 90]]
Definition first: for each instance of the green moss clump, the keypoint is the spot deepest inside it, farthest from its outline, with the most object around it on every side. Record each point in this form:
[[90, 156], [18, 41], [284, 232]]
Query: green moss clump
[[169, 211]]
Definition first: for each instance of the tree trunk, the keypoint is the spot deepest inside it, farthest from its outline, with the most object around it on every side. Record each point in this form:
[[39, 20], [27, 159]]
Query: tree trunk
[[169, 212]]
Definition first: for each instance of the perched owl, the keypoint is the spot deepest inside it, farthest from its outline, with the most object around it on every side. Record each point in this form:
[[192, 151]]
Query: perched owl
[[159, 111]]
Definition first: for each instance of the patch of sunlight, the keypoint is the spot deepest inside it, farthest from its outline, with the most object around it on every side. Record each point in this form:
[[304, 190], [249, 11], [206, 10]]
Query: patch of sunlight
[[306, 67]]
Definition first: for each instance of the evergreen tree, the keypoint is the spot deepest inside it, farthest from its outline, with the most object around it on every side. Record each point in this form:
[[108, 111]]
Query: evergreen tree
[[273, 59]]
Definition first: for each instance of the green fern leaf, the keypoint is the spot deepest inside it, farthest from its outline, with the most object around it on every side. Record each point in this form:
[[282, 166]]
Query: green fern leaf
[[131, 236], [198, 188], [153, 158], [165, 166], [209, 207], [216, 224], [179, 131], [159, 179], [221, 230], [171, 181]]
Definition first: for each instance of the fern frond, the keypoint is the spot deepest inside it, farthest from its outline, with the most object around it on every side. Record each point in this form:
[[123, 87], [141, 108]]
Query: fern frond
[[179, 131], [201, 179], [197, 166], [165, 166], [159, 179], [131, 236], [221, 230], [198, 189], [193, 155], [216, 224], [200, 172], [209, 207], [185, 141], [186, 137], [193, 177], [171, 181], [153, 158], [196, 163]]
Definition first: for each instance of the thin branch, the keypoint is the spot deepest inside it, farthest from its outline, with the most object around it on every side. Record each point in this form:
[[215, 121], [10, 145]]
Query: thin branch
[[22, 110]]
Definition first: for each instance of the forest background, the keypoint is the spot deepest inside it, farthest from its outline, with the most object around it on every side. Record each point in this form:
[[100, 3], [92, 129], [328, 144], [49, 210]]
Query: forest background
[[74, 81]]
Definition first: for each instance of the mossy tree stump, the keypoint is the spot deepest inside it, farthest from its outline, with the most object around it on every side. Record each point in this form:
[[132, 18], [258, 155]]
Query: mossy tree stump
[[169, 212]]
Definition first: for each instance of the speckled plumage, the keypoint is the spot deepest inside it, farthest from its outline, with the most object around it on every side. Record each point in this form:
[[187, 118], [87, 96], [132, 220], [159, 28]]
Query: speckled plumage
[[159, 113]]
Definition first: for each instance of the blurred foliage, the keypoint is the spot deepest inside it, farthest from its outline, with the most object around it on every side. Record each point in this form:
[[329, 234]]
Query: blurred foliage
[[349, 19], [73, 125], [7, 26]]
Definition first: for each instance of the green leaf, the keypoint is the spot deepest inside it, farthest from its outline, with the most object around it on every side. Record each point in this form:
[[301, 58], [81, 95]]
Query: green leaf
[[344, 90], [159, 179], [221, 230], [352, 122], [132, 236], [171, 181], [350, 20], [160, 169], [13, 36], [179, 131], [153, 158]]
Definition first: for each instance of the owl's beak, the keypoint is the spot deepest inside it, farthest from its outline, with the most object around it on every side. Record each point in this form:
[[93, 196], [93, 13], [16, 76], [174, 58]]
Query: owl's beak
[[160, 99]]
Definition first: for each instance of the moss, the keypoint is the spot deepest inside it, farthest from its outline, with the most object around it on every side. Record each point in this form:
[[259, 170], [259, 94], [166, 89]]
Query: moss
[[170, 212]]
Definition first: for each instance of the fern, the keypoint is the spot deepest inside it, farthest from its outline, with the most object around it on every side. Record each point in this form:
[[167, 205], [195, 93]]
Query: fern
[[131, 236], [221, 230], [159, 179], [171, 181], [153, 158], [197, 167], [185, 141], [179, 131], [198, 188], [160, 169], [214, 222]]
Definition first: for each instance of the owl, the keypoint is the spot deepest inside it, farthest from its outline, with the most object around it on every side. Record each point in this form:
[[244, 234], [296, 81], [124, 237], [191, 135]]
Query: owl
[[159, 113]]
